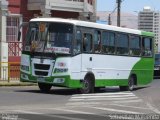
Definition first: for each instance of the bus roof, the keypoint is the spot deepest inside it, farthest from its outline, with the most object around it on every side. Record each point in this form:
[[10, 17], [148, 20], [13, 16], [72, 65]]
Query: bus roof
[[95, 25]]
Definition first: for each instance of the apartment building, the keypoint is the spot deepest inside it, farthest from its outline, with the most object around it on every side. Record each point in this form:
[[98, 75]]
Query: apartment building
[[149, 20]]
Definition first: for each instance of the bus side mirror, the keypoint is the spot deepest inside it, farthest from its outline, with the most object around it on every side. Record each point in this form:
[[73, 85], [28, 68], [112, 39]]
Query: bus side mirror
[[19, 35]]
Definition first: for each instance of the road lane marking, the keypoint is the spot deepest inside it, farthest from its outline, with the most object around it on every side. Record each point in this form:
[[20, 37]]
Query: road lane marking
[[72, 111], [129, 106], [129, 101], [116, 110], [28, 112], [77, 112], [57, 116], [153, 108]]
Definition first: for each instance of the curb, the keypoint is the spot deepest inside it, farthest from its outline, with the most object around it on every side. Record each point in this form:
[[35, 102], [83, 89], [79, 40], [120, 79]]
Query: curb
[[17, 84]]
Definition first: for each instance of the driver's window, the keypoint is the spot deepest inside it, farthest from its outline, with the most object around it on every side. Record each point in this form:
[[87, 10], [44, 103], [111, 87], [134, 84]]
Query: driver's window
[[87, 42], [77, 43]]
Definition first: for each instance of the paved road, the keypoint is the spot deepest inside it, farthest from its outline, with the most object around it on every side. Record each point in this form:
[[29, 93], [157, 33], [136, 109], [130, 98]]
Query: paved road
[[28, 103]]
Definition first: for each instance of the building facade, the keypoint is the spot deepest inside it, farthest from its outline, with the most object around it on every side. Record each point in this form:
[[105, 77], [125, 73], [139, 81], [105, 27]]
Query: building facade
[[76, 9], [149, 20], [14, 12]]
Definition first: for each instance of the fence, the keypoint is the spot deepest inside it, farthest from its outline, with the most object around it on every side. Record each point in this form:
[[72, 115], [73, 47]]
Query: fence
[[9, 71], [14, 48]]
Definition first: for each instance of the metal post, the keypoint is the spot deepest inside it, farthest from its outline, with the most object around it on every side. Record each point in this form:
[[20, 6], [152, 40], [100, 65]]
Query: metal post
[[118, 12], [8, 72], [109, 19]]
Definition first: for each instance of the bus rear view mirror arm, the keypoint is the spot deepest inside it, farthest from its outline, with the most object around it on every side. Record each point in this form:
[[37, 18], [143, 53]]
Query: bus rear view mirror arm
[[19, 35], [19, 29]]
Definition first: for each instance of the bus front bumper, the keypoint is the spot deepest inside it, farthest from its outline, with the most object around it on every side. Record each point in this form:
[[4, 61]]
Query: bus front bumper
[[62, 81]]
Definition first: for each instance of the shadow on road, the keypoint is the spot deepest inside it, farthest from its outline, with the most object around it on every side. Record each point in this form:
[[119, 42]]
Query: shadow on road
[[66, 91], [52, 91], [139, 88]]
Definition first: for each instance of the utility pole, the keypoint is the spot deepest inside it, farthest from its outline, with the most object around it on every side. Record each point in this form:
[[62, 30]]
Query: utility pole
[[109, 19], [119, 13]]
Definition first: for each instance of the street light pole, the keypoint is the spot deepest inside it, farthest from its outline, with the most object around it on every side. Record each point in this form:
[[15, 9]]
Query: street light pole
[[118, 12]]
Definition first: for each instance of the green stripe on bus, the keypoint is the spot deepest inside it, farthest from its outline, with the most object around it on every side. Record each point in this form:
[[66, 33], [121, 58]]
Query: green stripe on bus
[[143, 71], [150, 34]]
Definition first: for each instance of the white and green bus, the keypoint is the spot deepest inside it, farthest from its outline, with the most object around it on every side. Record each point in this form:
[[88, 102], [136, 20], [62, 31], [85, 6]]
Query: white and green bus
[[85, 55]]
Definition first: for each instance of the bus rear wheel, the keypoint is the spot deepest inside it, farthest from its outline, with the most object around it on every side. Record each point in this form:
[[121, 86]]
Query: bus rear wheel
[[130, 86], [87, 85], [44, 87]]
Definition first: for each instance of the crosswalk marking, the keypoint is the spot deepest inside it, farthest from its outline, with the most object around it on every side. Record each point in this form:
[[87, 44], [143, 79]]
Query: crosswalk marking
[[100, 101], [107, 97], [103, 98], [99, 94]]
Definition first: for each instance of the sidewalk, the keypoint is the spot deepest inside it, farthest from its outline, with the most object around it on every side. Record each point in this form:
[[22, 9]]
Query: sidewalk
[[16, 83]]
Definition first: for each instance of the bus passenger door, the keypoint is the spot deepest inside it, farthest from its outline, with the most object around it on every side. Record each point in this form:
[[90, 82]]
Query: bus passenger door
[[87, 50]]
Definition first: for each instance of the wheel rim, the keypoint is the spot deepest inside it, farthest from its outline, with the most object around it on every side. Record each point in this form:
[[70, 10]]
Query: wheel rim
[[86, 85], [131, 83]]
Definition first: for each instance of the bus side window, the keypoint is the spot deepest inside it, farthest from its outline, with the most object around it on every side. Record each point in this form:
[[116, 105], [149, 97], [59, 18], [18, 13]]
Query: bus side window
[[87, 42], [135, 45], [77, 43], [108, 42], [122, 44], [147, 47], [97, 41]]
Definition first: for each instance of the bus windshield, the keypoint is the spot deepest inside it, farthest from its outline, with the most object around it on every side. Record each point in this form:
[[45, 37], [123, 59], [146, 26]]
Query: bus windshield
[[49, 37]]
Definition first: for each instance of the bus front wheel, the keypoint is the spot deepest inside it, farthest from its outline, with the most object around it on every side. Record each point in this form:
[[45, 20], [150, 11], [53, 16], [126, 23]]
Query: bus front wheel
[[87, 85], [44, 87]]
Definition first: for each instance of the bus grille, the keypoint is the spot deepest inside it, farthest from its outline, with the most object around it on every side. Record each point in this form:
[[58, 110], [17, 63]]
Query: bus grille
[[43, 69], [42, 66]]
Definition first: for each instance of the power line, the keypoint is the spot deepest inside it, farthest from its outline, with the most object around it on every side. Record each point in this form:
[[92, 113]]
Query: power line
[[118, 13], [109, 16]]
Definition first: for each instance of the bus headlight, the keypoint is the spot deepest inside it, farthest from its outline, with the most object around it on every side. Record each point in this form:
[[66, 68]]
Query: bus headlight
[[24, 67], [25, 77]]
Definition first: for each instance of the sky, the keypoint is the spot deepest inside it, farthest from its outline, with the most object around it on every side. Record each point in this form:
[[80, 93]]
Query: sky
[[131, 6]]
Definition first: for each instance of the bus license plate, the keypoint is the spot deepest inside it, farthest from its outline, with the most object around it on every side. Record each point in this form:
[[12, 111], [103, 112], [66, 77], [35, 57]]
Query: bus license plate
[[41, 79]]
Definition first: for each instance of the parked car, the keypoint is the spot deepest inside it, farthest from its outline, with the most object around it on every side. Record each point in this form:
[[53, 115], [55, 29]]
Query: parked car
[[157, 66]]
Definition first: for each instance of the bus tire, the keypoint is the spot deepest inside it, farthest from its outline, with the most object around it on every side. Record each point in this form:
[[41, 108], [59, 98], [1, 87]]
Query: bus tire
[[131, 83], [45, 88], [87, 85]]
